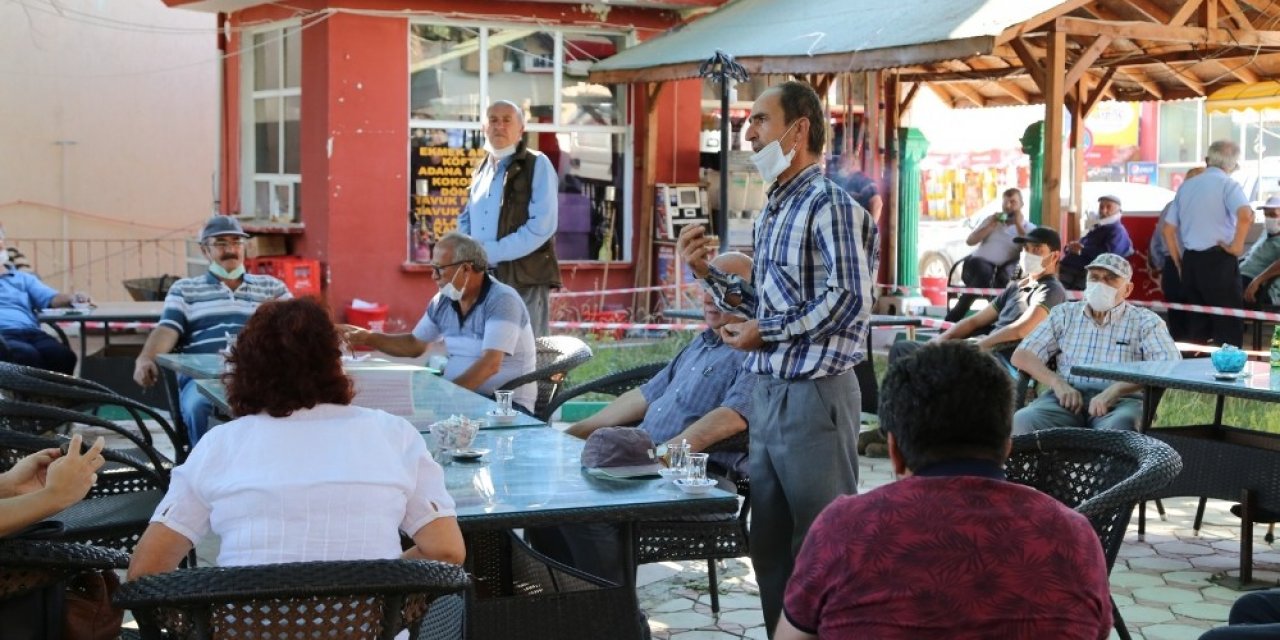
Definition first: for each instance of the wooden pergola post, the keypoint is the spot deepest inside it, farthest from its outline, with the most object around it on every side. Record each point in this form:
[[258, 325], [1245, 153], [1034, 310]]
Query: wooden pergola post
[[889, 237], [1055, 95], [640, 302]]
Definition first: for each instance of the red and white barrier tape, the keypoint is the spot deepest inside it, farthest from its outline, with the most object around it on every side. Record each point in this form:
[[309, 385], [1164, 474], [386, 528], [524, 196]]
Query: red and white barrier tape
[[1217, 311], [1155, 305], [609, 292], [611, 326]]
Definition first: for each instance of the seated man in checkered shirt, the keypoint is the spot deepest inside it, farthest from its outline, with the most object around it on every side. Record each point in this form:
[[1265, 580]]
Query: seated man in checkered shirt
[[1102, 328]]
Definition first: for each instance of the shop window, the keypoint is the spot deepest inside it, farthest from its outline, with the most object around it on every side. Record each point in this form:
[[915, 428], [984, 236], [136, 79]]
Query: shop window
[[444, 73], [271, 132], [456, 71]]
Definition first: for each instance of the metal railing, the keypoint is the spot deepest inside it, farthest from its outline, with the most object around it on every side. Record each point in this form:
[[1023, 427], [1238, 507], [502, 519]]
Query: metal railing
[[100, 267]]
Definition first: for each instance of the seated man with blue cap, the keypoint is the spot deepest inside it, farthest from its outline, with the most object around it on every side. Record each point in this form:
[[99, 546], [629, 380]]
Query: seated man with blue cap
[[204, 313]]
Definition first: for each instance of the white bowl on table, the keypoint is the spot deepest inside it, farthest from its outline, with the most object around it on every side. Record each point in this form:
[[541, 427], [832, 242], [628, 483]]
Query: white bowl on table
[[694, 487]]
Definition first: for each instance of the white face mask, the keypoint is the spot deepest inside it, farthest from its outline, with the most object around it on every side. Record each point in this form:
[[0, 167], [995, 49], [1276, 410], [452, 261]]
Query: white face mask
[[770, 161], [1031, 263], [1100, 296], [450, 291], [499, 154], [1273, 227]]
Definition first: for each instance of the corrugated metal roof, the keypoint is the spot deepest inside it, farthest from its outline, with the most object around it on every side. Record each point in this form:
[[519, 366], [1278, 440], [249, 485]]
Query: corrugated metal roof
[[870, 34]]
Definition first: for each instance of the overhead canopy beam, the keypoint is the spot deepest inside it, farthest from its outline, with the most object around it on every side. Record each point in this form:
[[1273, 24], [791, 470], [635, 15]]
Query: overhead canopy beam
[[1086, 59], [1212, 37]]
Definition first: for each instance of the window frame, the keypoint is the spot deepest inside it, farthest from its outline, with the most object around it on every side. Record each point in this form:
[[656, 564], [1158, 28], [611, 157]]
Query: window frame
[[626, 128], [249, 176]]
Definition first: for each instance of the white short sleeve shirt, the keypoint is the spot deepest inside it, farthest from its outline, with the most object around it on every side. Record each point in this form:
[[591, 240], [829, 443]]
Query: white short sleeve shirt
[[328, 483]]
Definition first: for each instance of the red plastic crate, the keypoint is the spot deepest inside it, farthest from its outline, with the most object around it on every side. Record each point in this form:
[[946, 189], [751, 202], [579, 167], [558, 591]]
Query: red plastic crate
[[301, 275], [607, 316]]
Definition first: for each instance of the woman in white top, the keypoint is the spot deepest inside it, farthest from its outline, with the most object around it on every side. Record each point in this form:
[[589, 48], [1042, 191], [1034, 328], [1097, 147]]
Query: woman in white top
[[303, 475]]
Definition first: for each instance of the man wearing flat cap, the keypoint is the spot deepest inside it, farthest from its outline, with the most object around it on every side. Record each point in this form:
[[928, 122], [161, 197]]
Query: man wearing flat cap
[[1102, 328], [1106, 235], [201, 313]]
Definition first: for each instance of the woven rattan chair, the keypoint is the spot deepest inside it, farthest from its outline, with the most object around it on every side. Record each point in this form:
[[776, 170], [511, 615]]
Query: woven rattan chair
[[44, 387], [345, 599], [31, 568], [614, 384], [1100, 474], [660, 541], [557, 355], [118, 508], [519, 593]]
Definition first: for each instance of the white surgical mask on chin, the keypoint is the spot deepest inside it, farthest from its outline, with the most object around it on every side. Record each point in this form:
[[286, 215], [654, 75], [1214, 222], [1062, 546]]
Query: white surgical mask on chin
[[1273, 227], [1030, 263], [450, 291], [1101, 297], [499, 154], [771, 161]]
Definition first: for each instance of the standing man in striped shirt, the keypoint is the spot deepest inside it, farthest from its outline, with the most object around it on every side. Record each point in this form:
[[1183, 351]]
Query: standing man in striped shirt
[[200, 313], [809, 310], [1099, 329]]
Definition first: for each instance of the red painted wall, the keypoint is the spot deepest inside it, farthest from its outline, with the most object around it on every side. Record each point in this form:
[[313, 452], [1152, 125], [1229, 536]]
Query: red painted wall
[[355, 83]]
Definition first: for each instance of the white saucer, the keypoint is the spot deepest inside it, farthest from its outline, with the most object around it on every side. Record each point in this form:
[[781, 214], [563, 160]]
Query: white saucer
[[669, 473], [1229, 377], [694, 487], [468, 454], [499, 418]]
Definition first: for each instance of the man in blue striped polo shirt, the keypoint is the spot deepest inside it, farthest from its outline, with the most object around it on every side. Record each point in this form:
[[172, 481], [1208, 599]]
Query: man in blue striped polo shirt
[[200, 313], [809, 310]]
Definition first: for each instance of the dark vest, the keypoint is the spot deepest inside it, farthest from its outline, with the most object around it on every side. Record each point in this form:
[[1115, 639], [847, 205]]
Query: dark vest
[[539, 268]]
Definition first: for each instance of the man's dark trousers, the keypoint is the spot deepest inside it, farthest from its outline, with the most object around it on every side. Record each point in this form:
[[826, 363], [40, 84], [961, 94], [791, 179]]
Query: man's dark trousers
[[1212, 278]]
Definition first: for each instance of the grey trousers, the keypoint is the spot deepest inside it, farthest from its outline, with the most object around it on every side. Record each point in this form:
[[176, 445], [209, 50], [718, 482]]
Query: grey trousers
[[1045, 413], [804, 454], [538, 301]]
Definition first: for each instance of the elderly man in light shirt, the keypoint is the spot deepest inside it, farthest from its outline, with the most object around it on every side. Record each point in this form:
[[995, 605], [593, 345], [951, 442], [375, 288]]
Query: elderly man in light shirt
[[1102, 328], [513, 211], [1205, 231], [481, 321]]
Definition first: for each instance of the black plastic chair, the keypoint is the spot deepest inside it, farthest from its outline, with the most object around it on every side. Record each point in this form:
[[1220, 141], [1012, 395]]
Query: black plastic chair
[[557, 356], [118, 508], [342, 599], [1100, 474]]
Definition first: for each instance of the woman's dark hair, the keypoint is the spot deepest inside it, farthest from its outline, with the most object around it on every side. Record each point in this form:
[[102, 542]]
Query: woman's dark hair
[[287, 357], [946, 401], [799, 100]]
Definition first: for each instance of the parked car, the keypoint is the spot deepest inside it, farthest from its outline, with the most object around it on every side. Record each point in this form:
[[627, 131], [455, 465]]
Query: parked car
[[941, 243]]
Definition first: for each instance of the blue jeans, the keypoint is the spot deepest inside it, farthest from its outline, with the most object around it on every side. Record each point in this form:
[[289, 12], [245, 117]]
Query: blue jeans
[[195, 409]]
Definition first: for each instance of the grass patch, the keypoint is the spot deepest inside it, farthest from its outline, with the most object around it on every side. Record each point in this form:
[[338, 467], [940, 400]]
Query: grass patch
[[1176, 408]]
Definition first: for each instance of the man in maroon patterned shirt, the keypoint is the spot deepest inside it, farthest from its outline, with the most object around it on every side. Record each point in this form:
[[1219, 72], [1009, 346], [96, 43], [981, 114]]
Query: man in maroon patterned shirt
[[952, 549]]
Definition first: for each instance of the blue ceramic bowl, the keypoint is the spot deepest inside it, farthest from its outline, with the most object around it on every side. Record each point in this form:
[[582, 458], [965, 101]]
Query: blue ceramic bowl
[[1229, 359]]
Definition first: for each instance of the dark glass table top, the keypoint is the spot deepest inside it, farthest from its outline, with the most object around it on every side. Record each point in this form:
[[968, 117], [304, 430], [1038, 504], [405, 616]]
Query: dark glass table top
[[1258, 382], [414, 393], [534, 476]]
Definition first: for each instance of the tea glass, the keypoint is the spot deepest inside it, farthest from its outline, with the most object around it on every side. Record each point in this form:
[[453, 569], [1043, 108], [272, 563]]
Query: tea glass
[[696, 471]]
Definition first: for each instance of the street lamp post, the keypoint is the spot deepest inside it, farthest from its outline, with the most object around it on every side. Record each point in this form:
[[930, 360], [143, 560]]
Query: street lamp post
[[722, 68]]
